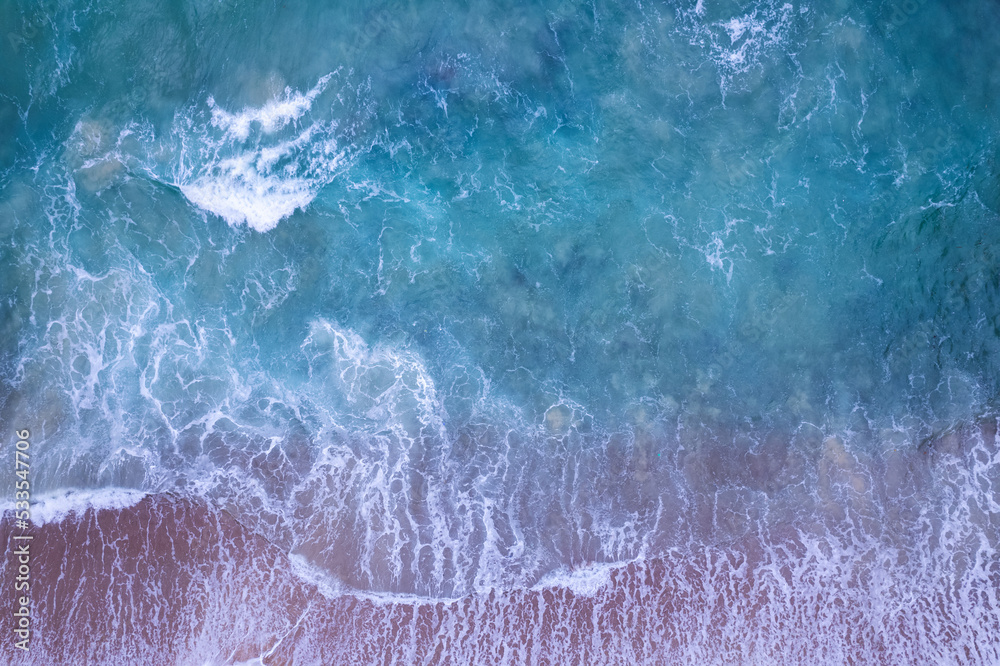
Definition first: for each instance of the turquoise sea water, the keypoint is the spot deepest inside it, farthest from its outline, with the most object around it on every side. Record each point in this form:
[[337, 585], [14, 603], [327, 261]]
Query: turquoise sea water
[[446, 297]]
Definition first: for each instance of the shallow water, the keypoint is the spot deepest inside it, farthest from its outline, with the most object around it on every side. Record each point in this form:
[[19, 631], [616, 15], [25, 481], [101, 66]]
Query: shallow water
[[448, 303]]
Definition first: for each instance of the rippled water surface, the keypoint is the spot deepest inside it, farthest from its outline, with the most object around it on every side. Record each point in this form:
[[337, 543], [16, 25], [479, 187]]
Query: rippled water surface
[[496, 332]]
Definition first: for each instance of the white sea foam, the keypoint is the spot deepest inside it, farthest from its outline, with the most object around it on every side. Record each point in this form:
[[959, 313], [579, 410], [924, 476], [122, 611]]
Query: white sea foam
[[55, 507], [332, 588], [740, 43], [239, 194], [585, 581], [388, 386], [258, 178], [274, 115]]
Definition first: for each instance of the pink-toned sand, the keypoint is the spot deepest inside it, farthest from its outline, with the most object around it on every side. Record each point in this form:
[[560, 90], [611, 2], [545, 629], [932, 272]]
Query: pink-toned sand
[[171, 580]]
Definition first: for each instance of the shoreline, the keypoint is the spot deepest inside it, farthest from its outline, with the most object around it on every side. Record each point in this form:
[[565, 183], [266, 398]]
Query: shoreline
[[188, 583]]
